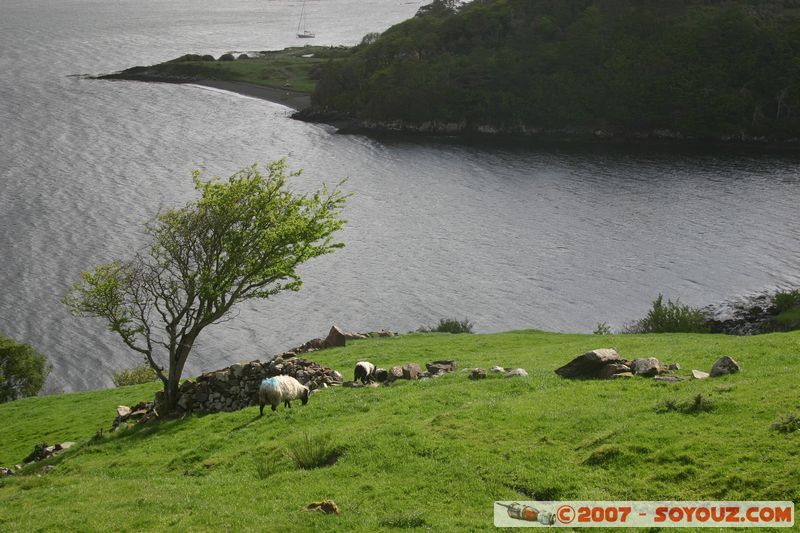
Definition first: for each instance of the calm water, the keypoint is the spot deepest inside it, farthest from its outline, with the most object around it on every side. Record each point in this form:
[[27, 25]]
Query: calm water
[[510, 237]]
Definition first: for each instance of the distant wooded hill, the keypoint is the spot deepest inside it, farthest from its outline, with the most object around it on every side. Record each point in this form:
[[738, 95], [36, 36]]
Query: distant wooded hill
[[705, 69]]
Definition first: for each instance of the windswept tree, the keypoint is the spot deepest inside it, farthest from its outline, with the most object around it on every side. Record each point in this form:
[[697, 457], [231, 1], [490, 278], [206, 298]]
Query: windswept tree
[[243, 239]]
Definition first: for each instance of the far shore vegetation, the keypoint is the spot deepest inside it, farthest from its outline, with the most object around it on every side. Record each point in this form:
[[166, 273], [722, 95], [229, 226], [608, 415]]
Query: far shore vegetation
[[673, 69]]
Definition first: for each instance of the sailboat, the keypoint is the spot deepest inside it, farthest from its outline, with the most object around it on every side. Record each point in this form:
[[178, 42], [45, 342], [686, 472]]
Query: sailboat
[[306, 33]]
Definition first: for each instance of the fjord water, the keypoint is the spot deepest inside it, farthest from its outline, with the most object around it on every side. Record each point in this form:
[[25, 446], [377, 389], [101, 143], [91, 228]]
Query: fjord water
[[512, 237]]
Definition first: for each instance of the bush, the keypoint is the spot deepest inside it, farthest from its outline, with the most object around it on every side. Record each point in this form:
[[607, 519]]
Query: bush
[[134, 376], [602, 328], [312, 452], [227, 57], [671, 318], [448, 325], [786, 424], [23, 371], [784, 301], [697, 404], [243, 56]]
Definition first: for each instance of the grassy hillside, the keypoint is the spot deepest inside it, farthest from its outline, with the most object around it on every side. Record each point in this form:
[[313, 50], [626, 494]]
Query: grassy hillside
[[432, 454], [295, 68], [690, 69]]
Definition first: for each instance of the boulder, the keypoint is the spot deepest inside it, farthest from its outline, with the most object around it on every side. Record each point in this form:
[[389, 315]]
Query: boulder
[[673, 367], [440, 367], [477, 373], [411, 371], [589, 364], [517, 373], [699, 374], [336, 337], [724, 365], [649, 366], [123, 411], [610, 370]]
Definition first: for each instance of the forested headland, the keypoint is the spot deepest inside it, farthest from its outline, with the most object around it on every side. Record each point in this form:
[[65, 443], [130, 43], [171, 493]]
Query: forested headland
[[686, 69]]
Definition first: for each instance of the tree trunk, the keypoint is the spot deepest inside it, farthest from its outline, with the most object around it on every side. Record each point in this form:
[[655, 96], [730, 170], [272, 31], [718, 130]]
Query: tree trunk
[[176, 371]]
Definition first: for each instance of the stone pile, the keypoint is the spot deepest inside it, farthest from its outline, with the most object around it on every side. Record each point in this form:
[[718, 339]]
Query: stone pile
[[236, 387], [410, 371], [480, 373], [142, 413], [336, 337], [40, 452], [605, 363]]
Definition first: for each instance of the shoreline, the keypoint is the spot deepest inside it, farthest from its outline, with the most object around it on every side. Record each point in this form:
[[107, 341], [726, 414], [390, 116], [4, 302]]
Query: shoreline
[[295, 100], [300, 103]]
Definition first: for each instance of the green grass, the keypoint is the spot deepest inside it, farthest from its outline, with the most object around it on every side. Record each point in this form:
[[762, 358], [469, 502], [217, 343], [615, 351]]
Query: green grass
[[283, 69], [432, 454]]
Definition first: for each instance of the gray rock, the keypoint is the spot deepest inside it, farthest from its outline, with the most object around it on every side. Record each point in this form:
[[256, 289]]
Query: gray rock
[[699, 374], [441, 367], [477, 373], [498, 369], [517, 373], [336, 337], [411, 371], [589, 364], [724, 365], [673, 367], [667, 379], [622, 375], [649, 366], [610, 370], [396, 372]]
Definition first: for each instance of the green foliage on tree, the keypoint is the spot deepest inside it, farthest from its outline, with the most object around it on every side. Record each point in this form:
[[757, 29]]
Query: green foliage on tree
[[23, 371], [706, 69], [243, 239]]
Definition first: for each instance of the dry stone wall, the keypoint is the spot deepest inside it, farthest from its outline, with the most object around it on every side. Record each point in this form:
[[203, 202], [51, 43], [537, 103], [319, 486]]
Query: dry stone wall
[[236, 387]]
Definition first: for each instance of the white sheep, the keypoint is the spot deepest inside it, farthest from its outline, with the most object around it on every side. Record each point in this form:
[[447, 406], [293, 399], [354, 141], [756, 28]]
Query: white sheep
[[279, 389], [365, 371]]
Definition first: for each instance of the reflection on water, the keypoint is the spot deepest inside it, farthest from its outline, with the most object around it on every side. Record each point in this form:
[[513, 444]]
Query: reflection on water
[[511, 236]]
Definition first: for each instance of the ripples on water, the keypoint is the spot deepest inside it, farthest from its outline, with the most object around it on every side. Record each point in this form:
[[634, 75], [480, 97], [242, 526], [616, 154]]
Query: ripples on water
[[512, 237]]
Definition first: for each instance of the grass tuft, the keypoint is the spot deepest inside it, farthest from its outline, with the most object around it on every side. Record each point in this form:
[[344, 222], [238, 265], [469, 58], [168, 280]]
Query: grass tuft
[[268, 466], [408, 520], [311, 452], [696, 404], [603, 455], [786, 423]]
